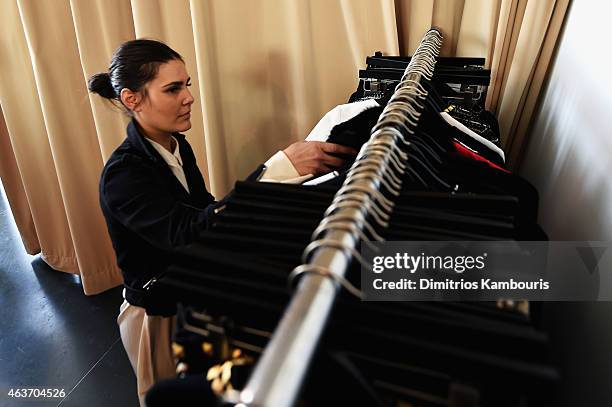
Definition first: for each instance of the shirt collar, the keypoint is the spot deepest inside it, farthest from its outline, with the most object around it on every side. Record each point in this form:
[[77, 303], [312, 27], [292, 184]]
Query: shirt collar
[[170, 158], [137, 140]]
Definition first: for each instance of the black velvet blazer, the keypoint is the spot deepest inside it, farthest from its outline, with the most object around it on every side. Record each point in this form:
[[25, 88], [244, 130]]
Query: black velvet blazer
[[147, 210]]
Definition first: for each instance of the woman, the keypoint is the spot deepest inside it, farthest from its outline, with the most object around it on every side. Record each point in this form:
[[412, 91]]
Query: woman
[[153, 195]]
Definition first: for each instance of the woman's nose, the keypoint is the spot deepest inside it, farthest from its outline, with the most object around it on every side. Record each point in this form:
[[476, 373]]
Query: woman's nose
[[189, 98]]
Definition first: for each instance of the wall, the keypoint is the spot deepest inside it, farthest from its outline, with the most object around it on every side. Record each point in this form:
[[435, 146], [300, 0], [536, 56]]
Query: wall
[[569, 160]]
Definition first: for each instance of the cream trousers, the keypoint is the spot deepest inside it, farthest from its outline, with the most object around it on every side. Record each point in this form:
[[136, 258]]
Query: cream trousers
[[147, 342]]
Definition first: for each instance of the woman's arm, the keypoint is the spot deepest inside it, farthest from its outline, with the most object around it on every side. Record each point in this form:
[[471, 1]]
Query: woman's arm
[[314, 157], [303, 160]]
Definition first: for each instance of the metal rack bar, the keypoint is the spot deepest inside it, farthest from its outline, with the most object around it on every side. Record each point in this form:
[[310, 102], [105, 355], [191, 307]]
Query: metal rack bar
[[279, 373]]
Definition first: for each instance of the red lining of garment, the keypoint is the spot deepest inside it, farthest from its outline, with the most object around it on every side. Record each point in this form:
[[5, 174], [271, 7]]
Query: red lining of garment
[[466, 152]]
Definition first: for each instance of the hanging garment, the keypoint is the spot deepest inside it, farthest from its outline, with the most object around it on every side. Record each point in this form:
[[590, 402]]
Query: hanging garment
[[337, 115], [455, 123]]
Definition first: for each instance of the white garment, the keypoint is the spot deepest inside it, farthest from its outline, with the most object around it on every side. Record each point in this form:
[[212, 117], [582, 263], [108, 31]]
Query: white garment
[[174, 160], [458, 125], [147, 342], [337, 115], [323, 178], [280, 169]]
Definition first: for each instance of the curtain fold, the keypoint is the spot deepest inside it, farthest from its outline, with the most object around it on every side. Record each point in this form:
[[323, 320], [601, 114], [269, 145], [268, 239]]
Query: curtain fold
[[263, 73], [71, 134], [266, 81], [534, 52], [15, 193], [30, 149], [99, 26]]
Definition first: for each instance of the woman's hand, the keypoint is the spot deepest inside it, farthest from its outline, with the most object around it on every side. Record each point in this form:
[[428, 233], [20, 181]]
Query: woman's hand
[[313, 157]]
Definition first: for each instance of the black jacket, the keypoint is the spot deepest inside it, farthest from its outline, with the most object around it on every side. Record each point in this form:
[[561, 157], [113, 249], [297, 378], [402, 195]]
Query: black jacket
[[147, 210]]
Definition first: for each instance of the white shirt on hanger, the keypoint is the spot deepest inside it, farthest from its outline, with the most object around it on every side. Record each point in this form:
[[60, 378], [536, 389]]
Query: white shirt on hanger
[[457, 124]]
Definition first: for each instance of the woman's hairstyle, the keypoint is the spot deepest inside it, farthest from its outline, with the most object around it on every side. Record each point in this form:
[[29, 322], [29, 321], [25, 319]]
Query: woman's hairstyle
[[132, 65]]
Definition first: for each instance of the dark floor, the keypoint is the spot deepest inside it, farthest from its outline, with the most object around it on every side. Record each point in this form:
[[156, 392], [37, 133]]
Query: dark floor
[[53, 336]]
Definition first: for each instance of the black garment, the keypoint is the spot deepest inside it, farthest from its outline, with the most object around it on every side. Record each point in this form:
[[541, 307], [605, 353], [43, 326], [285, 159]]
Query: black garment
[[192, 390], [147, 210], [355, 131]]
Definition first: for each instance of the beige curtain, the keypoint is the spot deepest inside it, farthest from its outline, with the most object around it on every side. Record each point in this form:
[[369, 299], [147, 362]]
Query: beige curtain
[[15, 193], [263, 73]]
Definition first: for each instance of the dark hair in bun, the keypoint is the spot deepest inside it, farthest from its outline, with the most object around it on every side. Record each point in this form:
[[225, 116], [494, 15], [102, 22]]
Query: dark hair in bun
[[100, 83], [132, 65]]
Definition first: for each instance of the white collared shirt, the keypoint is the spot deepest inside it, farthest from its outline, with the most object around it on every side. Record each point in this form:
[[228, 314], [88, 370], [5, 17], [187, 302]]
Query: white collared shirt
[[173, 160]]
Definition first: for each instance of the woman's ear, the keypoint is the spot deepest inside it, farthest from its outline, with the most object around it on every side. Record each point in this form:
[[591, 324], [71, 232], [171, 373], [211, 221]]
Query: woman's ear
[[130, 99]]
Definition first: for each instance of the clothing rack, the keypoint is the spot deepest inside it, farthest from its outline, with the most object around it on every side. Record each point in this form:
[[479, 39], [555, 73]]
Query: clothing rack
[[279, 373]]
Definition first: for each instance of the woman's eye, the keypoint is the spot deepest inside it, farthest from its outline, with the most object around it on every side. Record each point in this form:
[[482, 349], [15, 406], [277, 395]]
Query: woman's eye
[[176, 89]]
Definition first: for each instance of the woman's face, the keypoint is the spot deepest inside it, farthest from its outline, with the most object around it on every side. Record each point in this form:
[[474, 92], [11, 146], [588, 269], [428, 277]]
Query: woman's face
[[167, 106]]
